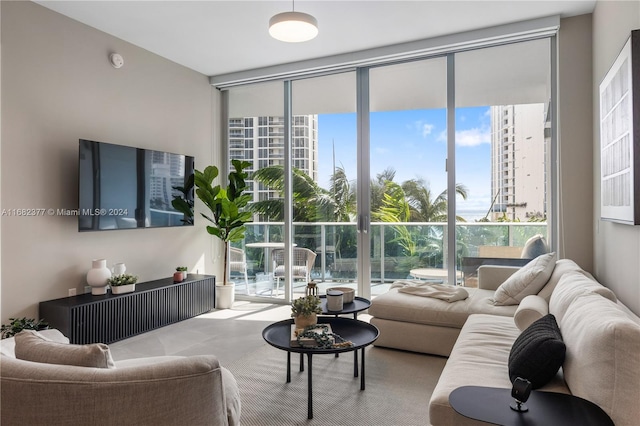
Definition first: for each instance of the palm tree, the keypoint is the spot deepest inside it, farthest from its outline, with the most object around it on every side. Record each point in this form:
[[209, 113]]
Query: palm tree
[[338, 204], [307, 195], [378, 187], [425, 208], [396, 209]]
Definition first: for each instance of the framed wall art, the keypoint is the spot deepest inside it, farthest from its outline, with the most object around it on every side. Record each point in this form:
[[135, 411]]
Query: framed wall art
[[620, 136]]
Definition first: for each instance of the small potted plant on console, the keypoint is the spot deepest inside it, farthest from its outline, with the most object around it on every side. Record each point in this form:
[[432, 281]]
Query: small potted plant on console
[[125, 283], [180, 275], [305, 310]]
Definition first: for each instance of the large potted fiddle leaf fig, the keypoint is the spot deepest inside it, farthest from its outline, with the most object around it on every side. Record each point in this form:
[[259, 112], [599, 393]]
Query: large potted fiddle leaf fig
[[227, 215]]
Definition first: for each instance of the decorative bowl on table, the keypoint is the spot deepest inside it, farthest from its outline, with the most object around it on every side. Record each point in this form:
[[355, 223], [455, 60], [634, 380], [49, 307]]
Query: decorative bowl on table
[[347, 293]]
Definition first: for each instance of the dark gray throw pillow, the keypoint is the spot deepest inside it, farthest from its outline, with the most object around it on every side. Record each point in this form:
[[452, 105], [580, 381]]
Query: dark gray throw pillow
[[538, 353]]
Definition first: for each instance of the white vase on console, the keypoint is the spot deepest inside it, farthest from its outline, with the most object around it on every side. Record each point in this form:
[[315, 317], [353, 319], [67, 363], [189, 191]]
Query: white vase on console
[[119, 269], [97, 276]]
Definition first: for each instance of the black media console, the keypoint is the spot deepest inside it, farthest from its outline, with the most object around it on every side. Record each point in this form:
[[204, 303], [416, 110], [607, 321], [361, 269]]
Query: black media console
[[112, 317]]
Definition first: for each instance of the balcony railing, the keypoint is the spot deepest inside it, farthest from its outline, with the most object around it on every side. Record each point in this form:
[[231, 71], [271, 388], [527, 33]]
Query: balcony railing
[[396, 248]]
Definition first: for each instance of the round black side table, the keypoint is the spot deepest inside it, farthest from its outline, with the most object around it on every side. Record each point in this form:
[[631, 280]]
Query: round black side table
[[545, 408], [359, 304]]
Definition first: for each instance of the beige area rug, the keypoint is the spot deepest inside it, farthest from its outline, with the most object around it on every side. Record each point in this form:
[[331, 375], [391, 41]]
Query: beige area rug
[[398, 388]]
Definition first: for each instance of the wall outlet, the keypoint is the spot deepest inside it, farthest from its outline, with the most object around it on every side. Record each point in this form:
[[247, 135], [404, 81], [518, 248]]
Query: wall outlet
[[72, 292], [87, 289]]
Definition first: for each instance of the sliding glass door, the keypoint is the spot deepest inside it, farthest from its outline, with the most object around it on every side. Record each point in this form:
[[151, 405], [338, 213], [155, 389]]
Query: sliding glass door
[[502, 147], [396, 171], [408, 151], [324, 182], [256, 133]]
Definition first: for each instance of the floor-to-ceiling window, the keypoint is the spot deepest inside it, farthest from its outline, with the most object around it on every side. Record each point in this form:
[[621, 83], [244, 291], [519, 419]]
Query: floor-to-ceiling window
[[470, 128], [502, 143], [408, 151], [256, 134], [324, 228]]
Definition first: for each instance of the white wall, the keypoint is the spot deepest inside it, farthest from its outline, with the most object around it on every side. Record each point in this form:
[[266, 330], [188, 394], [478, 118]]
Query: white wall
[[617, 247], [57, 87]]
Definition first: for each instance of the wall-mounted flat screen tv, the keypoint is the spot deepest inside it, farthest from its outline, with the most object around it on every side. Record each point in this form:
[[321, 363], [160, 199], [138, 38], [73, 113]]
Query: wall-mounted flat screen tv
[[122, 187]]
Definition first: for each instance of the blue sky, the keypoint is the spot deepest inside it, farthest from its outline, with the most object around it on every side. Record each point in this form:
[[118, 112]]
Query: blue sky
[[414, 144]]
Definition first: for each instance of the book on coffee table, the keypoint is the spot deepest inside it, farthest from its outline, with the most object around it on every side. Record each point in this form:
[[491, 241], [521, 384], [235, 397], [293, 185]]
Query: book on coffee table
[[308, 341]]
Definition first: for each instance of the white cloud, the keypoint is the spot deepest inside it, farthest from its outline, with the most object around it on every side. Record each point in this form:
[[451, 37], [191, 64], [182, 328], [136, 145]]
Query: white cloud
[[423, 128], [427, 129], [469, 137], [473, 137]]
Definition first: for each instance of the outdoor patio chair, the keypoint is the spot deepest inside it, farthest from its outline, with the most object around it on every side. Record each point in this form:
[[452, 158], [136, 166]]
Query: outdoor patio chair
[[238, 263], [302, 264]]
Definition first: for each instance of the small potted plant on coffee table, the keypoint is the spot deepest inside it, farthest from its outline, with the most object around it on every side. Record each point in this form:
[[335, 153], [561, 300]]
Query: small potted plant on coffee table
[[304, 311], [125, 283]]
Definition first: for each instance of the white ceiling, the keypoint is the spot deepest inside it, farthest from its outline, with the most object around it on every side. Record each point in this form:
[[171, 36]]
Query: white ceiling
[[219, 37]]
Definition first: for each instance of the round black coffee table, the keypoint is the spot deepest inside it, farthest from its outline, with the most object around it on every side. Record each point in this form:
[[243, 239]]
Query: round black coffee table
[[359, 304], [361, 333]]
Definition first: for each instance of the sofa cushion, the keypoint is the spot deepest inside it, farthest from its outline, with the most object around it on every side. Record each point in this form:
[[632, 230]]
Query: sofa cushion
[[534, 247], [403, 307], [562, 267], [32, 346], [572, 285], [8, 346], [531, 309], [528, 280], [603, 363], [538, 352]]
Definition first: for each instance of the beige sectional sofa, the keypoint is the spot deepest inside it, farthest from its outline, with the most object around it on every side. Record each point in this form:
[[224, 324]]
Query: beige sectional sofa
[[145, 391], [422, 324], [601, 335]]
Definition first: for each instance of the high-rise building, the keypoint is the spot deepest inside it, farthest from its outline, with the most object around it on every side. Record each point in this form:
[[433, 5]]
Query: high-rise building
[[518, 154], [167, 171], [260, 140]]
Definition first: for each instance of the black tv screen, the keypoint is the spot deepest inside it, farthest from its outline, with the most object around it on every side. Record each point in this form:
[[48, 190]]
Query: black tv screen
[[122, 187]]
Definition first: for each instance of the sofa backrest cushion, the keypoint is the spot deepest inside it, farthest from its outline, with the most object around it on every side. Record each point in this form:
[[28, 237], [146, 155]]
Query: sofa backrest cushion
[[183, 391], [8, 346], [562, 267], [572, 285], [602, 363], [528, 280], [538, 352], [32, 346]]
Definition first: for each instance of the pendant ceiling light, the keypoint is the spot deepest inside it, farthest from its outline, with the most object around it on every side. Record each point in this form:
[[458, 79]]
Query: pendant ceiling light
[[293, 27]]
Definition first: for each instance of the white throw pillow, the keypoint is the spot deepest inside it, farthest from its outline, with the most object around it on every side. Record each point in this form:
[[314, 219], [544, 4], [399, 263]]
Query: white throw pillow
[[32, 346], [531, 309], [527, 280]]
